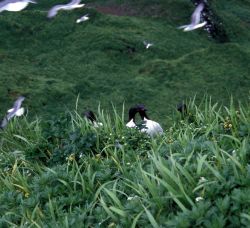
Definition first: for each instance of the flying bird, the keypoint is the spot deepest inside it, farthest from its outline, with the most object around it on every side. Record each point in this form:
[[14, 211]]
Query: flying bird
[[147, 44], [70, 6], [83, 18], [195, 19], [16, 110], [14, 5]]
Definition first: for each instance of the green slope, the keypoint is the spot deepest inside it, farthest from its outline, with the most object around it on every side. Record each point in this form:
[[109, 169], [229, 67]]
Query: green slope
[[104, 60]]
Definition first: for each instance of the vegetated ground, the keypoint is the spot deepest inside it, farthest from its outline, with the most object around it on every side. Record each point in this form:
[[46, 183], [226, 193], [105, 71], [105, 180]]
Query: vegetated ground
[[104, 60], [64, 172], [57, 170]]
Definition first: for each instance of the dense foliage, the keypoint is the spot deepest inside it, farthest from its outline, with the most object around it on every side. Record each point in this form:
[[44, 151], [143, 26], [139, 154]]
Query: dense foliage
[[64, 172], [57, 170], [104, 59]]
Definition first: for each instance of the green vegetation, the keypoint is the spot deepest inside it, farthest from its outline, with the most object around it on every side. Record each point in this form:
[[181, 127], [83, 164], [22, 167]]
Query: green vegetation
[[58, 170], [64, 172], [104, 60]]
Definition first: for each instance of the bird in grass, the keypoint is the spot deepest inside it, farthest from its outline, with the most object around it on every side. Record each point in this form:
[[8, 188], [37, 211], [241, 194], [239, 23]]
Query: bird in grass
[[92, 118], [14, 5], [195, 19], [131, 117], [147, 44], [70, 6], [182, 108], [83, 18], [16, 110], [151, 127]]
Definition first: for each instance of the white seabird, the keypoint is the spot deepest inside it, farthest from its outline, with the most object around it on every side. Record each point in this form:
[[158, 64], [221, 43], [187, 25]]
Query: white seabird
[[16, 110], [83, 18], [14, 5], [152, 128], [70, 6], [195, 19], [147, 44]]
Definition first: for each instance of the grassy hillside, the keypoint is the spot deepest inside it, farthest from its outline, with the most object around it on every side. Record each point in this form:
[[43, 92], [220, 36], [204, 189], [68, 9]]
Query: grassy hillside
[[104, 59], [66, 173], [57, 170]]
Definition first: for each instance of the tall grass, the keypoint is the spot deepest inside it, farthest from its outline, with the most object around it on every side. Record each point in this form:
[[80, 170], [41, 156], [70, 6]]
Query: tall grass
[[64, 172]]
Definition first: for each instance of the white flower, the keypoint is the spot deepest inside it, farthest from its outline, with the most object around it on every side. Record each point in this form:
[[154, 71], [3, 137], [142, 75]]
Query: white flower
[[197, 199], [128, 163]]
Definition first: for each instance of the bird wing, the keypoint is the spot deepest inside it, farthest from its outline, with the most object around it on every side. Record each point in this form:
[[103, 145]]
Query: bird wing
[[200, 25], [183, 26], [18, 103], [15, 108], [84, 17], [53, 11], [196, 16], [19, 112], [74, 2], [10, 110], [4, 123], [10, 115], [3, 3]]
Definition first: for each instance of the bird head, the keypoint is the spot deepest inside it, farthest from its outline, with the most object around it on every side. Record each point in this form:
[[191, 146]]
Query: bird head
[[141, 108], [142, 111]]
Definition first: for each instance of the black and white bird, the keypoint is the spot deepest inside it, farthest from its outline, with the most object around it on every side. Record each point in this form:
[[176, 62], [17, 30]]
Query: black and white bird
[[152, 128], [195, 19], [16, 110], [83, 18], [70, 6], [89, 115], [14, 5], [131, 117]]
